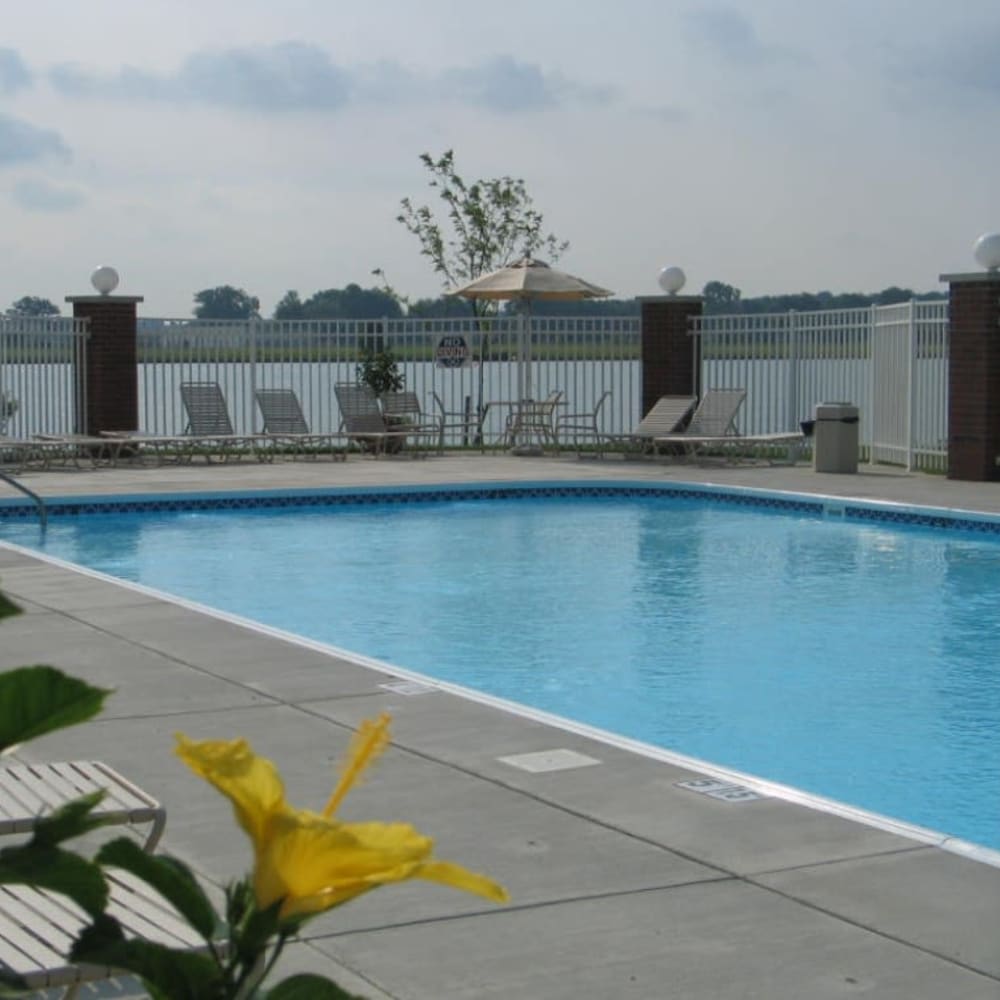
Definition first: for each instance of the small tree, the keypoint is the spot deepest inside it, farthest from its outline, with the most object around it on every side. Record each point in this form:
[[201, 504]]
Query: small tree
[[380, 371], [31, 305], [490, 223], [225, 302]]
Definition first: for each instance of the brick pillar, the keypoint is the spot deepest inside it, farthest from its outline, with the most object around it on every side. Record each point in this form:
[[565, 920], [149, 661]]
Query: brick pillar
[[974, 376], [668, 349], [111, 386]]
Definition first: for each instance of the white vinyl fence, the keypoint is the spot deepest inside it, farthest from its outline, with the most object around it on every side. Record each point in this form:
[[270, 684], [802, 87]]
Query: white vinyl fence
[[467, 363], [42, 375], [890, 361]]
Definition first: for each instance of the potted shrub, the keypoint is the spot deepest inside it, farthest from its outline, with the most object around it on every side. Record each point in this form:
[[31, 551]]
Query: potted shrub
[[379, 370]]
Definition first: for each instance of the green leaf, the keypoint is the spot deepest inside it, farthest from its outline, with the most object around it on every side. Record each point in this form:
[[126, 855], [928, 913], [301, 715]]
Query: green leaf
[[72, 819], [167, 972], [7, 607], [12, 985], [171, 878], [306, 986], [47, 867], [256, 932], [38, 700]]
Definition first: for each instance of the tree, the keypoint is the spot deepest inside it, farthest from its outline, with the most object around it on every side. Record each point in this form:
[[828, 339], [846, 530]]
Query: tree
[[492, 222], [225, 302], [290, 307], [31, 305], [721, 298], [352, 302]]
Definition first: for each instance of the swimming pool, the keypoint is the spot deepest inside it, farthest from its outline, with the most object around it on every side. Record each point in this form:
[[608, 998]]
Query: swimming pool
[[822, 645]]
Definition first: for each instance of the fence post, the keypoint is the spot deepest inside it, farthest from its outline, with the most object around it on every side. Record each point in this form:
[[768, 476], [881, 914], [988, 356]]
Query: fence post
[[671, 354], [109, 382], [792, 387], [974, 375], [911, 388]]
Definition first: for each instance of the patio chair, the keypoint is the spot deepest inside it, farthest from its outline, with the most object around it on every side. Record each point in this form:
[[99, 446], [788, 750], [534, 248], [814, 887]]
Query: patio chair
[[581, 427], [467, 423], [37, 927], [286, 424], [362, 422], [209, 426], [666, 416], [401, 410], [532, 418]]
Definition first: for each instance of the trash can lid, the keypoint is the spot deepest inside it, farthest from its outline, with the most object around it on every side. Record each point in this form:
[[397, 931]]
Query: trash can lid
[[835, 411]]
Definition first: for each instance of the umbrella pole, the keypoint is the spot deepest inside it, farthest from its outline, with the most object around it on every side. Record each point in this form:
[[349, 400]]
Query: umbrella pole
[[480, 411], [526, 321]]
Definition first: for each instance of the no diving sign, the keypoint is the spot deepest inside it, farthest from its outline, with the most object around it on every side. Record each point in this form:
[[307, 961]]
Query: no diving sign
[[452, 351]]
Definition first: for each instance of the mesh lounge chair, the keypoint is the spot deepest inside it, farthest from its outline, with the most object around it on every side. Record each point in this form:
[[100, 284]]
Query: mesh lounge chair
[[713, 428], [402, 411], [209, 427], [286, 424], [666, 416], [362, 421]]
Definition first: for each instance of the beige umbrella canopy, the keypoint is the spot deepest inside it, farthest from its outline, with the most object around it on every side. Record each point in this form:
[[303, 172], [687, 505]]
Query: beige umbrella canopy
[[527, 279]]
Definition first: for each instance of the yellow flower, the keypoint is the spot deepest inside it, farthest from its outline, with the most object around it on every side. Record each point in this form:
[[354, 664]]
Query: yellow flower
[[311, 861]]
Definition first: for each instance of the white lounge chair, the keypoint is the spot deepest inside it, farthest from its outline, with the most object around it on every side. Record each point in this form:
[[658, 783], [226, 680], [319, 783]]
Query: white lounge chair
[[362, 421], [38, 927], [713, 428], [665, 416], [402, 412], [28, 791], [286, 424], [209, 427]]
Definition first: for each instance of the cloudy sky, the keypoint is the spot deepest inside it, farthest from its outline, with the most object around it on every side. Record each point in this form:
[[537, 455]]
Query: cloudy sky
[[776, 145]]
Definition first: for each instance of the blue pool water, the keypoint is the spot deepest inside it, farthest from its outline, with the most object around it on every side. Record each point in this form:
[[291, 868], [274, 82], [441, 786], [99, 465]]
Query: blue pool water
[[859, 661]]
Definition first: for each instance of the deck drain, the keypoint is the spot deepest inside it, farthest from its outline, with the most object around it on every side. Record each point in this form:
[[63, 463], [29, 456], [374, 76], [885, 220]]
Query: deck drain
[[408, 687], [549, 760], [724, 790]]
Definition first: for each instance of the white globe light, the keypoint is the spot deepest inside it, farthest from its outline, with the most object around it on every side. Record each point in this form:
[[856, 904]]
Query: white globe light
[[672, 280], [987, 251], [105, 279]]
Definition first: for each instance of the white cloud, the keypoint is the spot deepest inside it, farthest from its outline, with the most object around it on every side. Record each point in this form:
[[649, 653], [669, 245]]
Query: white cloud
[[37, 195], [22, 142], [291, 76], [14, 74]]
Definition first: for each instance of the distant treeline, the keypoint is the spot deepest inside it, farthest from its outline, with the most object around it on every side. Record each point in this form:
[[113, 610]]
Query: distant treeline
[[356, 303]]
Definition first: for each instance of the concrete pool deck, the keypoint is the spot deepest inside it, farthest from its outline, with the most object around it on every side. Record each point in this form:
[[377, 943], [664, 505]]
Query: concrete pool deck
[[622, 883]]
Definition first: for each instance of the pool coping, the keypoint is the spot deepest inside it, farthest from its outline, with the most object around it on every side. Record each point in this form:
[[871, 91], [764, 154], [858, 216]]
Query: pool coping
[[826, 505]]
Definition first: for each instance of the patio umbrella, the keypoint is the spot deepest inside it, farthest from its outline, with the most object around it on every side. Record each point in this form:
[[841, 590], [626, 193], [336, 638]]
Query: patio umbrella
[[527, 279]]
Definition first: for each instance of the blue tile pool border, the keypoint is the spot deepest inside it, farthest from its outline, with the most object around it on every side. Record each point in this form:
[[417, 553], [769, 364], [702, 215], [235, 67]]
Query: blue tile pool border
[[811, 504]]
